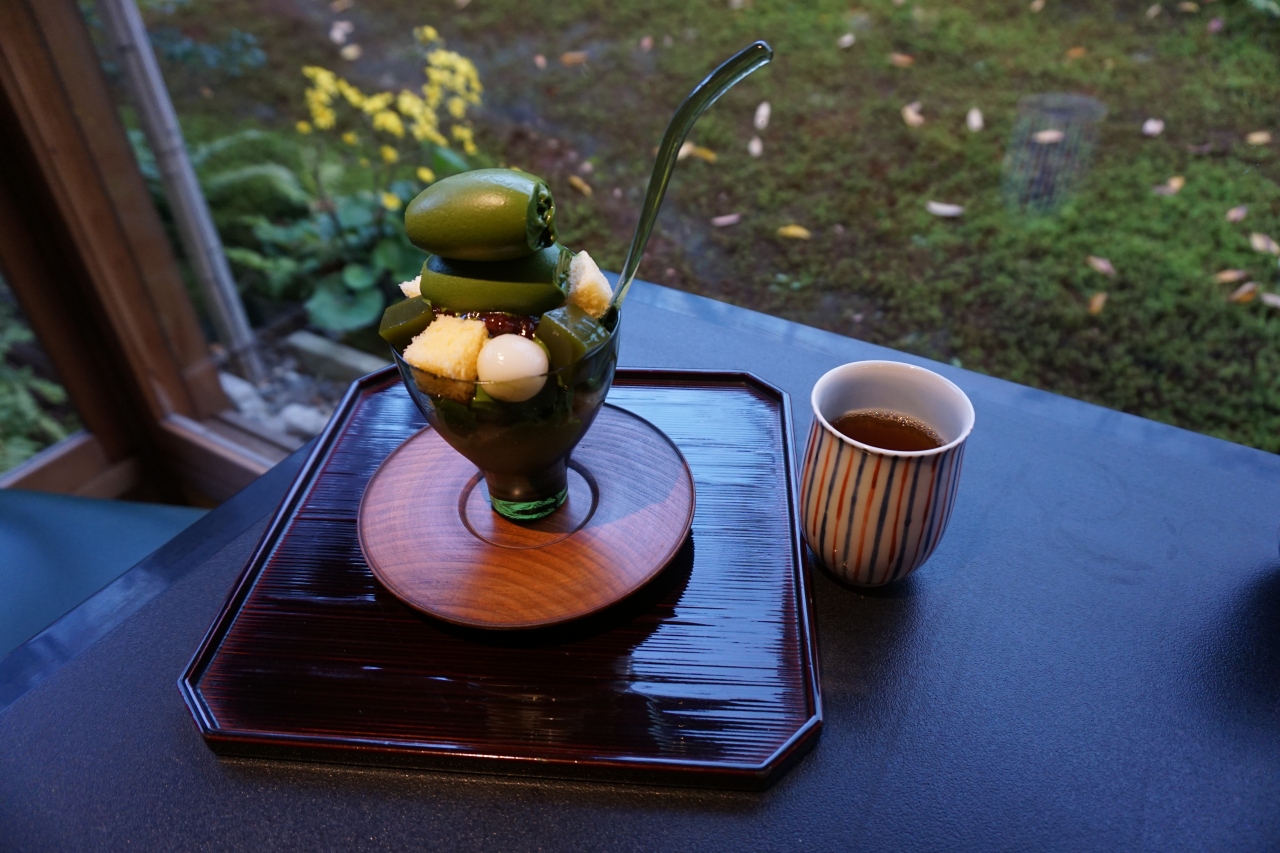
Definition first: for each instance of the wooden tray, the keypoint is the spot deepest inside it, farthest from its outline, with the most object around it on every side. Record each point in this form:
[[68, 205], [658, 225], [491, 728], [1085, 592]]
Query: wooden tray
[[706, 676], [427, 532]]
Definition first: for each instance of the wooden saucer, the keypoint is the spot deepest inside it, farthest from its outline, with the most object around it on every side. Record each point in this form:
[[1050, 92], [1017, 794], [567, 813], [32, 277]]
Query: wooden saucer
[[429, 535]]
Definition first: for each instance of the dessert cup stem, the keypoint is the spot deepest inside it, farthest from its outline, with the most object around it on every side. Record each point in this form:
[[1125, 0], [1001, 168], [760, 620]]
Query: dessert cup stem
[[699, 100], [528, 497]]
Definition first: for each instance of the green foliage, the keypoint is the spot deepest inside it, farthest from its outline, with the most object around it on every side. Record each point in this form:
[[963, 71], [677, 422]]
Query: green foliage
[[1267, 7], [26, 427], [287, 238]]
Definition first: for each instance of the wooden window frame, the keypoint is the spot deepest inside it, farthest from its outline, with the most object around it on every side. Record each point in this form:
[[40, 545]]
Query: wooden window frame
[[87, 257]]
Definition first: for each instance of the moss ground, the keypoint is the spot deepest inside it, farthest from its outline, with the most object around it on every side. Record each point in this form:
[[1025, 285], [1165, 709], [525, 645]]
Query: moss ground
[[996, 290]]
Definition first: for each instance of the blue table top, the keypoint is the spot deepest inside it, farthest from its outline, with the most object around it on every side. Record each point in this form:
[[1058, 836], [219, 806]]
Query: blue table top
[[1090, 660]]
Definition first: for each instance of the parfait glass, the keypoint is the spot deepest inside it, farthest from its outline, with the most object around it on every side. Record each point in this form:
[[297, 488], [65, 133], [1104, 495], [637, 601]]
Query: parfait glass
[[523, 448]]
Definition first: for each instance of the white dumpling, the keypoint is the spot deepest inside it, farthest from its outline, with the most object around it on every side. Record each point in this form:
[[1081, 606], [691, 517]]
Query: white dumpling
[[515, 365]]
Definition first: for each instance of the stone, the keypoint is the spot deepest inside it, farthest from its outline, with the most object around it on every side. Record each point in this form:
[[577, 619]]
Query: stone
[[331, 360], [303, 421]]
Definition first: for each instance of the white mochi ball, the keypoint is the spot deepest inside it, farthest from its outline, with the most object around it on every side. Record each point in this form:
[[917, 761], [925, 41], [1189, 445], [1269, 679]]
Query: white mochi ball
[[515, 365]]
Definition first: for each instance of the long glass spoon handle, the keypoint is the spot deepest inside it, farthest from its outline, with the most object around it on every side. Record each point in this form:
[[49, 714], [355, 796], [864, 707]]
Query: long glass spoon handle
[[703, 96]]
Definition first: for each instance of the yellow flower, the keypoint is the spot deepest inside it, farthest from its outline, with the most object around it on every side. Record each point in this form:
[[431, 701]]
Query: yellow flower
[[353, 95], [350, 137], [457, 107], [324, 118], [389, 154], [426, 34], [377, 103], [463, 135], [426, 175], [391, 201], [389, 122], [325, 80], [303, 127]]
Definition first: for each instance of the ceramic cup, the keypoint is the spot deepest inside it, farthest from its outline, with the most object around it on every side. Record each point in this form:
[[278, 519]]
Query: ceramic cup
[[871, 515]]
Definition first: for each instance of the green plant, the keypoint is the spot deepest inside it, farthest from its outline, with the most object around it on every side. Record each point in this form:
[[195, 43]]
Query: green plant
[[26, 426]]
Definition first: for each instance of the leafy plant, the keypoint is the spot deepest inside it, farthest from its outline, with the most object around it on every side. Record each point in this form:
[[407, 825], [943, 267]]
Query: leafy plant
[[26, 427], [314, 217]]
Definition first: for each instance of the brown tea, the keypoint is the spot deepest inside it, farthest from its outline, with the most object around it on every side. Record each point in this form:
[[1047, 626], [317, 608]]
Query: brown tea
[[888, 430]]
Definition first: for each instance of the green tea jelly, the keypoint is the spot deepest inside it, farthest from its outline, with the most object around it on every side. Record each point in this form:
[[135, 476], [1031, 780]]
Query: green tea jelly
[[526, 286], [569, 333], [404, 320]]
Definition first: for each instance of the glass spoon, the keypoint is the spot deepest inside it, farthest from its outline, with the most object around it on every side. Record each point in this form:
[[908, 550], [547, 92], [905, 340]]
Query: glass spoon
[[698, 101]]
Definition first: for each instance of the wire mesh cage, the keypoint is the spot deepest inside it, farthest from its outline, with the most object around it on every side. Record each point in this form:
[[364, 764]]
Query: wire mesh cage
[[1049, 150]]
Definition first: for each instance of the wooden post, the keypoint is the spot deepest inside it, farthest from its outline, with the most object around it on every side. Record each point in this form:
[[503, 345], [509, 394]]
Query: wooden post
[[200, 239]]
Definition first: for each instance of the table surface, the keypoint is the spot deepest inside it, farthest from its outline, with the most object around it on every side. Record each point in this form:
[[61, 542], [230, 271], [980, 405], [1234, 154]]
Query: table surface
[[1090, 660]]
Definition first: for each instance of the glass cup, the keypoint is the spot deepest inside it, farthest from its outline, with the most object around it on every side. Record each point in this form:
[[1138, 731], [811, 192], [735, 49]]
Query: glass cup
[[523, 448], [872, 515]]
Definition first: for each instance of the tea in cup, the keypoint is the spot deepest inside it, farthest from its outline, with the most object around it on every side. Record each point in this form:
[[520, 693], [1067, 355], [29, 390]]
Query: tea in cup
[[882, 468]]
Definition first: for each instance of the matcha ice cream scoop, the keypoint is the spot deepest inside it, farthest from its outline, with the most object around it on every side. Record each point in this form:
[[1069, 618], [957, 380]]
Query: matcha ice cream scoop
[[485, 215]]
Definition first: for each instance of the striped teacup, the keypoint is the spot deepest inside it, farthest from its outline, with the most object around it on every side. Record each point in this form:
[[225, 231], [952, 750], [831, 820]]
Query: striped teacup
[[871, 515]]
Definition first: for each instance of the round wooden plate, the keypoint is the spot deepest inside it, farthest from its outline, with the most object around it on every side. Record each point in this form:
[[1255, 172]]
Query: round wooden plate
[[429, 535]]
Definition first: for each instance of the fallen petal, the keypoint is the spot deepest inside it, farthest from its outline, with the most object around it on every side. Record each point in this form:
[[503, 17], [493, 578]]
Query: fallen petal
[[340, 30], [573, 57], [1237, 214], [540, 62], [580, 185], [755, 147], [1244, 293], [1052, 136], [1215, 26], [911, 114], [1076, 52], [845, 41], [702, 153], [939, 208], [1188, 7], [351, 52], [1096, 302], [646, 44], [1230, 276], [461, 4], [794, 232], [341, 5], [1152, 127], [762, 115], [1036, 5], [1258, 137], [1101, 265], [686, 148], [1263, 243], [973, 120], [1171, 186], [901, 60], [1154, 11], [1272, 299], [726, 220]]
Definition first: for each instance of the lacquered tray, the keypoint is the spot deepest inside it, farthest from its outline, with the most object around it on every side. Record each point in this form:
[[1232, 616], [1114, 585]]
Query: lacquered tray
[[706, 676]]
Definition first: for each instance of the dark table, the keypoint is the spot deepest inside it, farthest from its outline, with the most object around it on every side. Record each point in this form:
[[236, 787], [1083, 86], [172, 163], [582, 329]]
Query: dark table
[[1091, 660]]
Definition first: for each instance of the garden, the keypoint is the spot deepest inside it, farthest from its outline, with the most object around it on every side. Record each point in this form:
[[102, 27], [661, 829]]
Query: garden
[[1080, 196]]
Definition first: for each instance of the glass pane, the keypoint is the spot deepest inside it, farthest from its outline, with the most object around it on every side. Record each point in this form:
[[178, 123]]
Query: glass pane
[[34, 410], [1081, 197]]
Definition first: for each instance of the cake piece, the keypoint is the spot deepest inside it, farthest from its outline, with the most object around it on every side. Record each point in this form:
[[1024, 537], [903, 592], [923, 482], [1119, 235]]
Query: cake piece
[[412, 287], [588, 288], [448, 349]]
